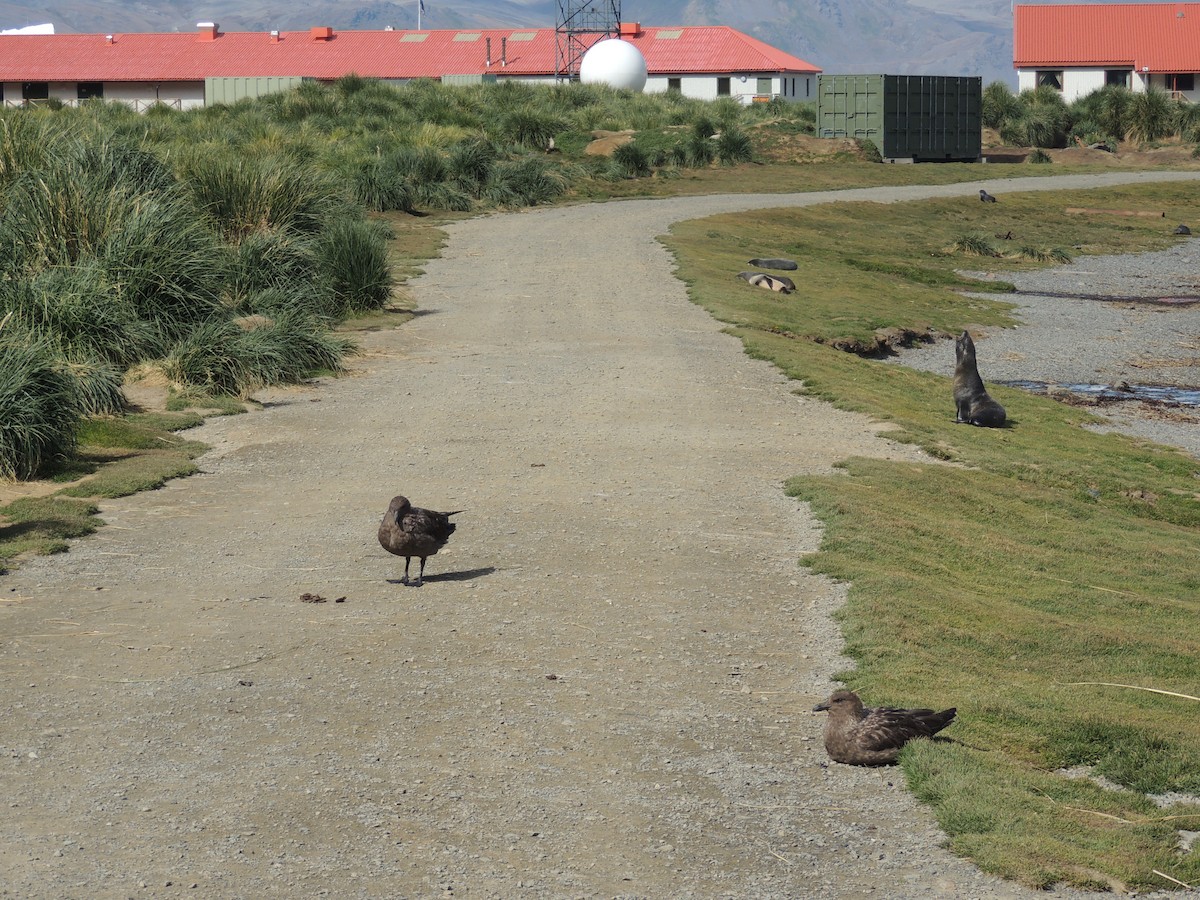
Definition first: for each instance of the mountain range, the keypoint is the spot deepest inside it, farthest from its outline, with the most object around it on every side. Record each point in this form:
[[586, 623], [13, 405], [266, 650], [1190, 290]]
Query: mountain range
[[898, 37]]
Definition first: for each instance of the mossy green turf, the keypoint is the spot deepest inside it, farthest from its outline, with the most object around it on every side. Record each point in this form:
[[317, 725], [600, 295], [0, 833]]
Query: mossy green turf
[[1044, 556], [115, 457]]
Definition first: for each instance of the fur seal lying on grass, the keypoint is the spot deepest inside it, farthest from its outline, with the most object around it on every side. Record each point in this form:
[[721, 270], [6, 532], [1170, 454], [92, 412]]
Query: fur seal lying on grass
[[778, 283], [985, 197], [409, 531], [972, 402], [859, 736], [783, 265]]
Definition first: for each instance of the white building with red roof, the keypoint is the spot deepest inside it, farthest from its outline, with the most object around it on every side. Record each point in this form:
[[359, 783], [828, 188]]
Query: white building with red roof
[[1080, 48], [705, 62]]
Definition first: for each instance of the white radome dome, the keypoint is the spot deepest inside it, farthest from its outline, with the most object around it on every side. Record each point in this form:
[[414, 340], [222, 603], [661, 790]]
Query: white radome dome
[[616, 63]]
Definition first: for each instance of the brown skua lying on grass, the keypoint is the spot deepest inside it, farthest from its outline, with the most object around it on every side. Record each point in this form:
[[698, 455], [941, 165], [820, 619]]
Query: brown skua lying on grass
[[861, 736]]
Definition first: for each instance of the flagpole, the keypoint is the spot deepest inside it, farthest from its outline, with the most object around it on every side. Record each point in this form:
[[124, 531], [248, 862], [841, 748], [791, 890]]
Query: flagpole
[[420, 6]]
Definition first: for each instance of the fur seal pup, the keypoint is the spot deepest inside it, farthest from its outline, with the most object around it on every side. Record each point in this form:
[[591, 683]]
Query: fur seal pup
[[861, 736], [783, 265], [778, 283], [409, 531], [985, 197], [971, 399]]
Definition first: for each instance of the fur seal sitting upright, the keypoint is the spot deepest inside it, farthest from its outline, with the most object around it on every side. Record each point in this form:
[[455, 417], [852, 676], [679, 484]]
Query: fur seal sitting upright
[[779, 283], [971, 399], [783, 265]]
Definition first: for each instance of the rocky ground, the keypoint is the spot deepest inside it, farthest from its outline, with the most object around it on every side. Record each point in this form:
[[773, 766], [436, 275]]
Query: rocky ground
[[603, 688]]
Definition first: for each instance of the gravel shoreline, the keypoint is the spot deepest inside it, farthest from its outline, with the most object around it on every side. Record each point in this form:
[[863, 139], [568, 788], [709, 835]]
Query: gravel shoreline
[[1065, 338]]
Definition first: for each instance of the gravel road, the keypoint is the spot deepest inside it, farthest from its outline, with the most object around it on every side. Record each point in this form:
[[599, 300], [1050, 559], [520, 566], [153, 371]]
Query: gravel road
[[603, 688]]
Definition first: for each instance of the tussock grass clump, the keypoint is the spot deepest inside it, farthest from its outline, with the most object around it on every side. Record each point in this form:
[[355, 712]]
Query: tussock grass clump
[[630, 161], [352, 254], [1041, 254], [734, 146], [39, 404], [1040, 117], [974, 245]]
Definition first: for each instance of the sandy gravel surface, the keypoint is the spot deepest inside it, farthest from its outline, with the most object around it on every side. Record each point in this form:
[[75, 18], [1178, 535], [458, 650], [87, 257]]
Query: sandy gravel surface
[[603, 687]]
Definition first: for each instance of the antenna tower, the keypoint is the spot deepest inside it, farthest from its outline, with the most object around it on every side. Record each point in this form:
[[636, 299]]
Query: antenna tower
[[577, 21]]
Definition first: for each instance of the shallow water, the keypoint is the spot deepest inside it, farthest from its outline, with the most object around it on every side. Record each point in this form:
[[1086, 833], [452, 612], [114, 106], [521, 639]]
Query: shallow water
[[1152, 393]]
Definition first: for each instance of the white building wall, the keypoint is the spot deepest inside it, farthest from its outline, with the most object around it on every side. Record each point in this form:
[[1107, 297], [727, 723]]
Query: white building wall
[[140, 95], [704, 87], [1081, 82]]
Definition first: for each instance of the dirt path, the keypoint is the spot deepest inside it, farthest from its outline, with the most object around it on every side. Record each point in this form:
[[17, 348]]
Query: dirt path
[[603, 688]]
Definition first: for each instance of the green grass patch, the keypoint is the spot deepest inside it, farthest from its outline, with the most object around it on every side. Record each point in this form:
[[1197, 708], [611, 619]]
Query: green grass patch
[[115, 457], [43, 525], [1049, 555], [149, 470]]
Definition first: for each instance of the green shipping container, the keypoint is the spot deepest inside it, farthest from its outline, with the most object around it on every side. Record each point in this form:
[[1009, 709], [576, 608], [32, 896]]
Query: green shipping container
[[917, 118]]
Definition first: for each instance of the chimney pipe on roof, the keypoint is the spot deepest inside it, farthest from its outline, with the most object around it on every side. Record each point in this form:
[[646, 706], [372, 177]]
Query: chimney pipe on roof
[[274, 37], [206, 31], [488, 62], [108, 39], [504, 51]]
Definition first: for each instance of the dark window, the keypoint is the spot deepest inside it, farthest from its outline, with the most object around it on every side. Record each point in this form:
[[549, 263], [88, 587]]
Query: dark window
[[675, 84], [1050, 78], [723, 86], [86, 90], [35, 90], [1119, 77], [1184, 81]]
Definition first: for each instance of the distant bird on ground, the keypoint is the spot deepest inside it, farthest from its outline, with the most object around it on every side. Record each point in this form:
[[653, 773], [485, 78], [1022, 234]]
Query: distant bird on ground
[[986, 197], [859, 736], [409, 531]]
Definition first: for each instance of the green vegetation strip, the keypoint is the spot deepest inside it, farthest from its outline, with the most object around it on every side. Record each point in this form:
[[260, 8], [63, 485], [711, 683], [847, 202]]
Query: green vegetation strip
[[114, 457], [1044, 557]]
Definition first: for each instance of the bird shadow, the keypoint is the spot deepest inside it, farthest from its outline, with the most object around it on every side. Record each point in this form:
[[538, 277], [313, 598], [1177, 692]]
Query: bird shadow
[[464, 575]]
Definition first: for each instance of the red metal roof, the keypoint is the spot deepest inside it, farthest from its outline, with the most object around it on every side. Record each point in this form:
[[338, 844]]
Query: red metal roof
[[1157, 37], [374, 54]]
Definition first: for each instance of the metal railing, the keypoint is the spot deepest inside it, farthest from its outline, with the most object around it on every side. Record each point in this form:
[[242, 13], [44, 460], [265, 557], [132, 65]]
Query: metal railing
[[59, 102]]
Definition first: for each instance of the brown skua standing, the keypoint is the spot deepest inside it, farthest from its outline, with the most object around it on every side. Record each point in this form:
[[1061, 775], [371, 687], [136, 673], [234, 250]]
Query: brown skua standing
[[409, 531]]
